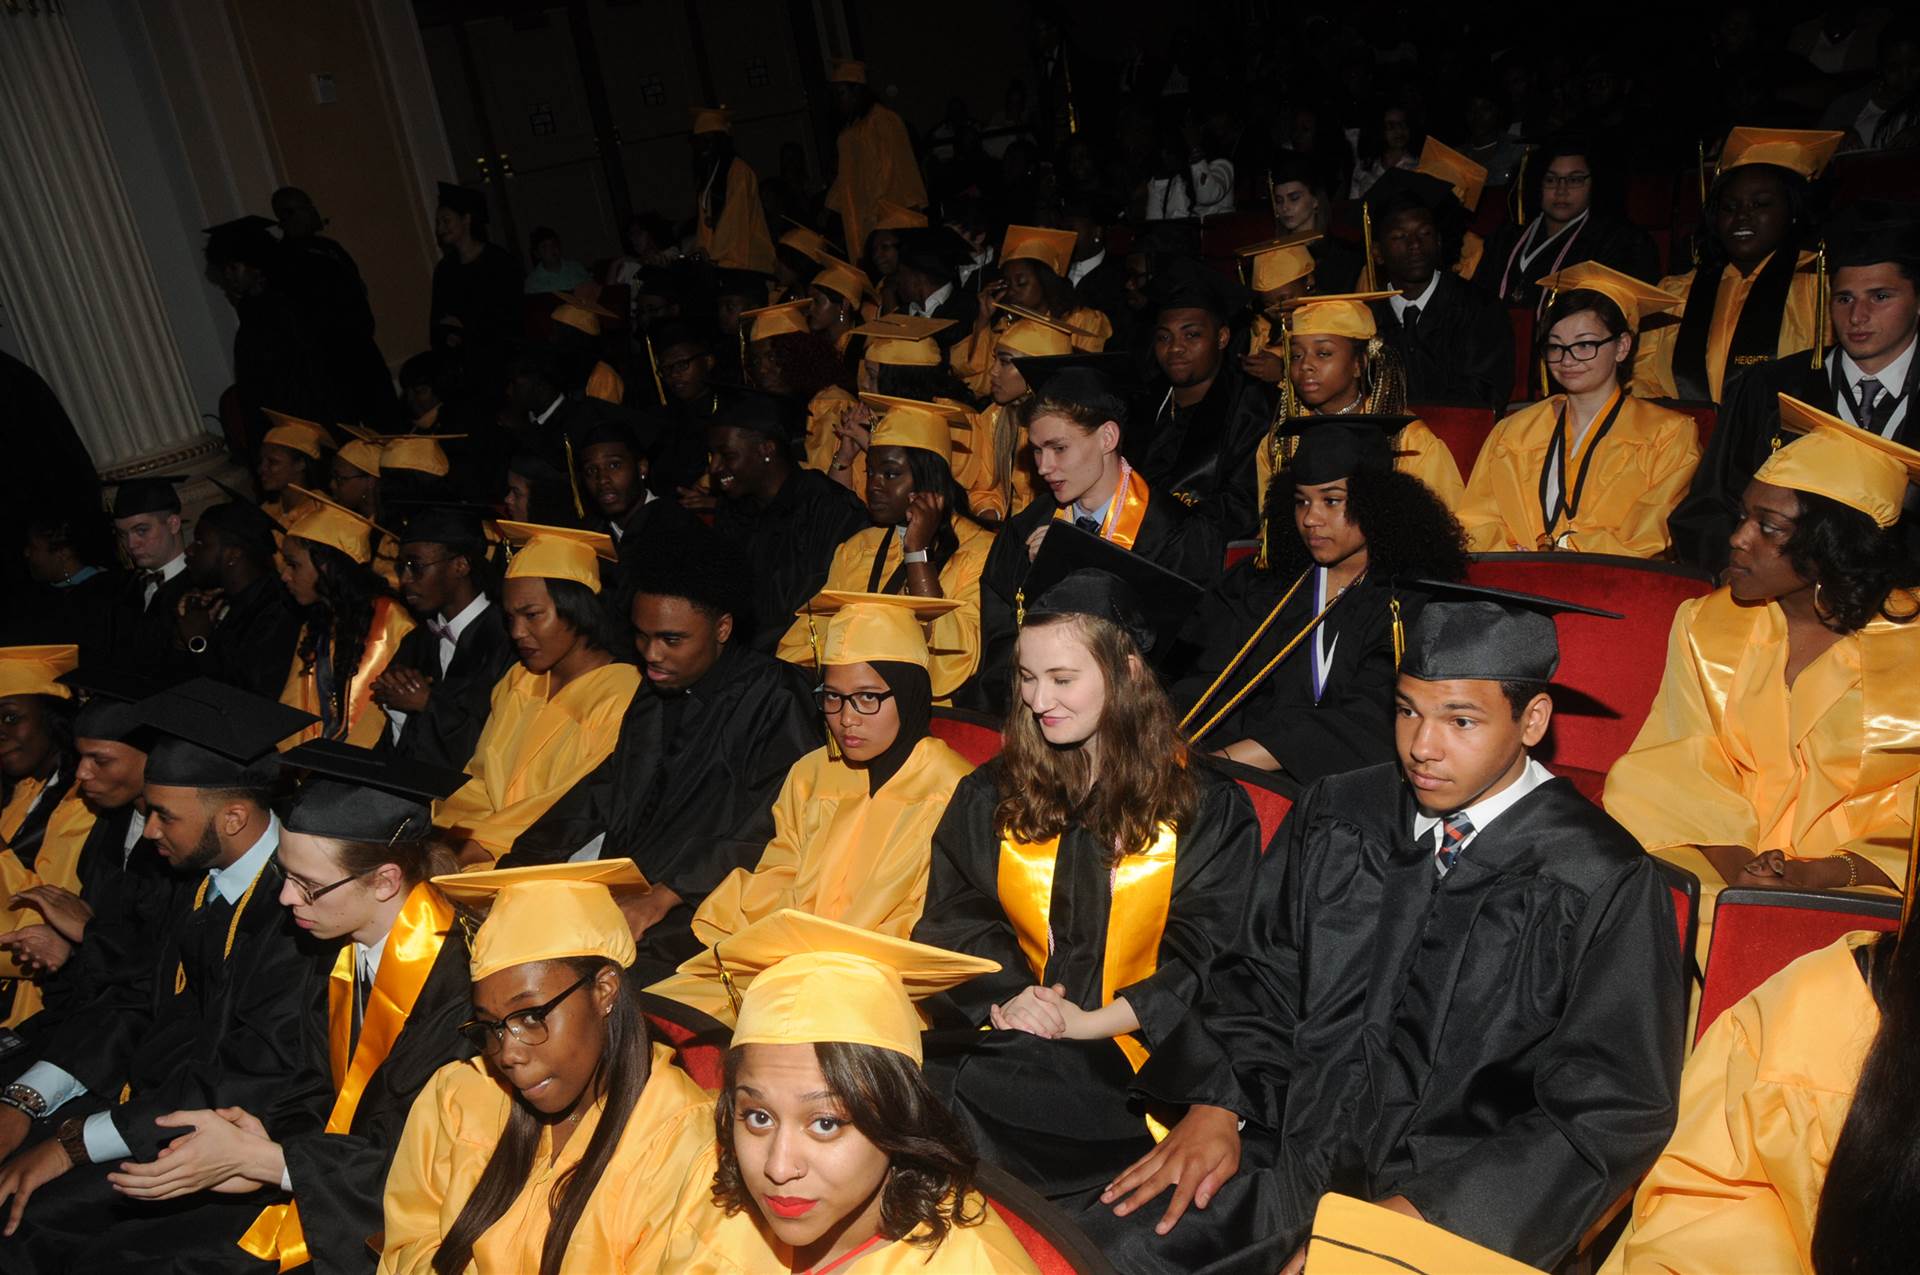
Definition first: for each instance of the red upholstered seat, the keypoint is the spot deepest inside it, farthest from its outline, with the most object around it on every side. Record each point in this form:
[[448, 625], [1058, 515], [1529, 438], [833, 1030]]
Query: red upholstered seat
[[1649, 200], [701, 1054], [1685, 888], [1491, 212], [1462, 429], [1613, 667], [1239, 551], [1223, 236], [1050, 1237], [1526, 383], [975, 736], [1758, 933], [1705, 416]]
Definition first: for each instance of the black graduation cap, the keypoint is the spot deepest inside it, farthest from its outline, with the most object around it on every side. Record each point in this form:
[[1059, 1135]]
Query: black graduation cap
[[933, 250], [356, 794], [1398, 187], [1470, 632], [1100, 381], [110, 709], [248, 239], [1871, 231], [216, 736], [1335, 447], [771, 415], [463, 199], [252, 223], [1184, 284], [1078, 573], [458, 526], [156, 494], [751, 284]]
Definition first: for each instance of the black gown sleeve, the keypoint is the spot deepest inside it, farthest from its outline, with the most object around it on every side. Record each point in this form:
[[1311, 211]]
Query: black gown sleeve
[[963, 912], [1352, 725]]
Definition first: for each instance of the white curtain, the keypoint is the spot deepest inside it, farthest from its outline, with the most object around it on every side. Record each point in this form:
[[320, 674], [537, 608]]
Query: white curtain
[[73, 271]]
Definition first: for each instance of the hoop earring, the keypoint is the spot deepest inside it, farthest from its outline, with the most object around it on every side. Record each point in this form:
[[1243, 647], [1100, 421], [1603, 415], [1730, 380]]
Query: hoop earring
[[1817, 605]]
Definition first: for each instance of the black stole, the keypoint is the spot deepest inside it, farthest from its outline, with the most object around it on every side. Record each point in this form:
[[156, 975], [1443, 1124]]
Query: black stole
[[1756, 334]]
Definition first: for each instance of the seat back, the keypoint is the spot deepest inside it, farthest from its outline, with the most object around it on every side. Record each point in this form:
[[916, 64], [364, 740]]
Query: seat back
[[1272, 795], [1611, 668], [1685, 889], [1238, 551], [1462, 429], [975, 736], [1758, 933], [1050, 1237], [701, 1050], [1526, 384], [1705, 416]]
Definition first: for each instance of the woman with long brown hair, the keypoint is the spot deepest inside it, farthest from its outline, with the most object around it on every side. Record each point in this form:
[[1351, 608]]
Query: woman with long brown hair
[[1096, 861]]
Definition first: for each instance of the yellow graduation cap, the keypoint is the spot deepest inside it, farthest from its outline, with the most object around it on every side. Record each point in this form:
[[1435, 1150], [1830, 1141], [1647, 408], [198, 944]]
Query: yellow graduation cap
[[911, 422], [1051, 248], [1352, 1237], [776, 320], [903, 340], [326, 523], [805, 240], [799, 979], [864, 627], [846, 71], [1033, 335], [1345, 315], [419, 452], [898, 216], [1834, 459], [548, 912], [1468, 179], [556, 553], [580, 312], [1639, 302], [1801, 150], [300, 435], [901, 327], [36, 670], [1278, 262], [711, 119], [843, 280], [363, 454]]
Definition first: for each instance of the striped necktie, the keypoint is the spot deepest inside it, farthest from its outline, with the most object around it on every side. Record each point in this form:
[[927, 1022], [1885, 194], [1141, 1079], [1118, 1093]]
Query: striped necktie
[[1450, 837]]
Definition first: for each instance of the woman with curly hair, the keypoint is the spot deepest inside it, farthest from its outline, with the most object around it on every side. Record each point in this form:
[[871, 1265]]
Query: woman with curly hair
[[353, 623], [1098, 862], [832, 1151], [1779, 751], [1342, 526]]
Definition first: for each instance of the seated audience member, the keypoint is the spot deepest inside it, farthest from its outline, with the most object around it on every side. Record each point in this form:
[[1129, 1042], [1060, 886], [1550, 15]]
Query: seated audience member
[[1097, 862], [551, 272], [72, 593], [1033, 267], [852, 821], [233, 1014], [836, 297], [554, 717], [927, 280], [1434, 933], [1754, 295], [355, 852], [237, 621], [577, 328], [423, 390], [354, 483], [1592, 468], [438, 690], [1276, 272], [1453, 340], [784, 520], [1568, 188], [826, 1030], [899, 358], [787, 359], [539, 491], [352, 626], [1002, 455], [613, 471], [143, 624], [1342, 525], [924, 542], [44, 821], [1771, 756], [1299, 188], [566, 1146], [1865, 377], [296, 460]]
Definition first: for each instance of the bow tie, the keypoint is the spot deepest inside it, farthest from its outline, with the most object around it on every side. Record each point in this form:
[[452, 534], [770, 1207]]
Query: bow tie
[[442, 631]]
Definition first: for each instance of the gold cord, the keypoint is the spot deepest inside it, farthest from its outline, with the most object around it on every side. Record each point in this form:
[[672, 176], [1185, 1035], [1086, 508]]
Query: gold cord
[[1247, 646], [1261, 676]]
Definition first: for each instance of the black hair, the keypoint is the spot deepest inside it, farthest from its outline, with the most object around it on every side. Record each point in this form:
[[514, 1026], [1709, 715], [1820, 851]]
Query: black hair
[[1856, 565], [343, 610], [1799, 195], [932, 474], [87, 532], [1449, 221], [653, 223], [923, 383], [678, 332], [1409, 533], [1373, 133], [540, 235], [615, 432], [1603, 190], [695, 564], [583, 611], [550, 497], [1520, 694], [1578, 301], [242, 528], [1056, 294]]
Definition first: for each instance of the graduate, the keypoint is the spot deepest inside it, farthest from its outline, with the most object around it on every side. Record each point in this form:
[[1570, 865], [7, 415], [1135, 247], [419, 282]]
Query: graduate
[[1590, 469], [237, 621], [438, 689], [787, 358], [567, 1145], [852, 821], [1034, 262], [874, 158], [1571, 192], [728, 222], [1342, 525], [296, 459], [354, 483], [785, 520], [838, 296], [1002, 457], [1353, 1237], [578, 321], [1754, 294], [1457, 993], [353, 625], [1468, 181], [828, 1009], [556, 714], [1100, 864], [45, 820], [900, 357], [1297, 185], [1338, 363], [613, 470], [233, 1015], [1773, 752], [925, 541], [142, 624], [1277, 271]]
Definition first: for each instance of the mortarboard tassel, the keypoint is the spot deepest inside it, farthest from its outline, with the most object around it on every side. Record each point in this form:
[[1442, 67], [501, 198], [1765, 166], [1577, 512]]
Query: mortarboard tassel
[[573, 480], [1366, 248], [1399, 631], [1234, 702], [653, 365], [1518, 191], [1246, 646], [1545, 388], [1913, 859], [1822, 301]]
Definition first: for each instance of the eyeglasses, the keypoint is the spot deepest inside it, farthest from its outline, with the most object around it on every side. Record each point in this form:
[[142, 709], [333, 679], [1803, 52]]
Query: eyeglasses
[[417, 566], [1565, 181], [865, 703], [1578, 351], [313, 894], [528, 1026]]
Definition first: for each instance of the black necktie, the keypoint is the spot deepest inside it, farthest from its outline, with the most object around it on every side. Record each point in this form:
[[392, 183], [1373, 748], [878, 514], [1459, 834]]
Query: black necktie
[[1410, 318], [1872, 418], [1090, 525], [359, 1005]]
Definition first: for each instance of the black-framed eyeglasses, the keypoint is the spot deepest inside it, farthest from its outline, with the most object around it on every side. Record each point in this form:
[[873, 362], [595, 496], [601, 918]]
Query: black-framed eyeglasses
[[528, 1026], [418, 566], [865, 703], [313, 894], [1565, 181], [1578, 351]]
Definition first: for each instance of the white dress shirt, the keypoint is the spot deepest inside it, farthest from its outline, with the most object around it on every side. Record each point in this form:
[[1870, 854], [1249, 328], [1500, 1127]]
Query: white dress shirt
[[935, 299], [1400, 304], [1892, 378], [1487, 809], [167, 573]]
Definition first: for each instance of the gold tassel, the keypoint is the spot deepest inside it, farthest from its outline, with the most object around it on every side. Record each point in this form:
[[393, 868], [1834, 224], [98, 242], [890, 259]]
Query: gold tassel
[[653, 365], [1274, 444], [573, 480], [1366, 248], [1399, 631], [743, 353], [1545, 388], [1019, 606], [1822, 300], [1246, 646], [1261, 676], [1702, 144], [1066, 77], [1520, 190]]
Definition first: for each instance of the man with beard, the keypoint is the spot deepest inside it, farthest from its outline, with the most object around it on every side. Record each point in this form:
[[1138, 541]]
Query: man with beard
[[237, 622]]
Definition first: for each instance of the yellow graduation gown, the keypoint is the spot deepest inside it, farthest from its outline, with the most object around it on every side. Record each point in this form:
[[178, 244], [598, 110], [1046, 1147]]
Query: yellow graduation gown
[[740, 241], [57, 863], [997, 470], [875, 162], [824, 411], [534, 748], [1419, 453], [953, 640], [1731, 755], [19, 803], [1636, 476], [1762, 1103], [972, 357], [366, 720], [1800, 326], [838, 852], [451, 1133]]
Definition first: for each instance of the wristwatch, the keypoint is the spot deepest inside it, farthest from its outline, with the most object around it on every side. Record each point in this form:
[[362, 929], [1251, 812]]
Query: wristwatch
[[73, 1140], [914, 555], [25, 1099]]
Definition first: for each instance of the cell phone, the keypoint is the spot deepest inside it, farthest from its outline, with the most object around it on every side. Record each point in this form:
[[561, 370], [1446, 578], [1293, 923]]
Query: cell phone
[[11, 1042]]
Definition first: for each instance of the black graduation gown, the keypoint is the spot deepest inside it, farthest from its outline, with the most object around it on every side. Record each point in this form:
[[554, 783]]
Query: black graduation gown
[[1336, 267], [252, 645], [1461, 351], [280, 364], [1055, 1113], [146, 635], [322, 274], [645, 524], [78, 614], [485, 295], [1204, 454], [1624, 247], [1350, 726], [962, 306], [447, 730], [790, 542], [48, 467], [1105, 289], [1501, 1046]]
